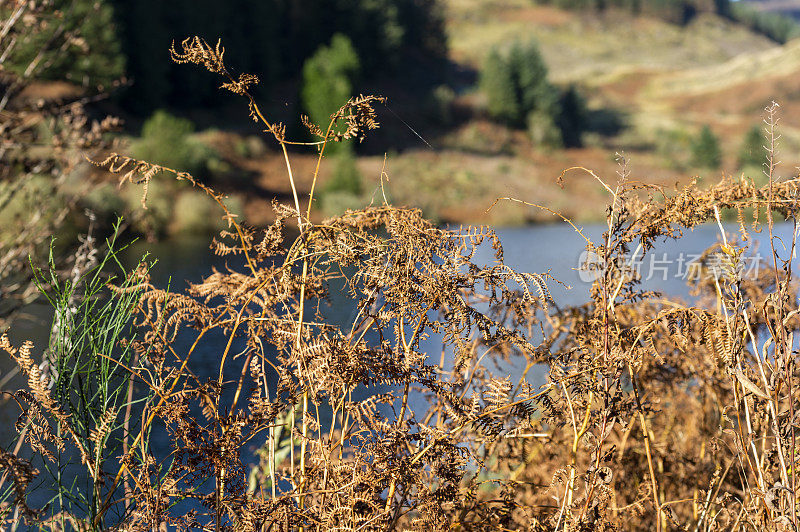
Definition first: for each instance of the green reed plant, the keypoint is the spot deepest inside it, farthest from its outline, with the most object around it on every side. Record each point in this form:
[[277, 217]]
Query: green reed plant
[[85, 380]]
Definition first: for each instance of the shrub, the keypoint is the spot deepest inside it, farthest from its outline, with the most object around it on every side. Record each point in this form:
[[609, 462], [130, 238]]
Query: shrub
[[346, 176], [328, 79], [543, 130], [167, 140], [516, 85], [706, 152], [674, 147], [752, 152], [194, 213], [250, 147]]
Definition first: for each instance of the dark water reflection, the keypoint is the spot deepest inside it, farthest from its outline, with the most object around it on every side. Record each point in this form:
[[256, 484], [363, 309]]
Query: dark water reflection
[[536, 249]]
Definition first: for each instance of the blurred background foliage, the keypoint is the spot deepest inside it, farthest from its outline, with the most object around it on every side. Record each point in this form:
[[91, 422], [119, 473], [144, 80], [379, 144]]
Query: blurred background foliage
[[514, 90]]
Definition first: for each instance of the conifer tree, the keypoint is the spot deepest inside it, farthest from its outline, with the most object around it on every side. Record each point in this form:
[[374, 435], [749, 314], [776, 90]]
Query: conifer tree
[[572, 117], [535, 93], [706, 152], [520, 95], [328, 79], [752, 152], [497, 83], [79, 44]]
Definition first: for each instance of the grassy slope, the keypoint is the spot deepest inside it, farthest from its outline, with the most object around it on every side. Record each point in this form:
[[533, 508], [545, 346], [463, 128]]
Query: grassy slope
[[591, 48], [667, 80]]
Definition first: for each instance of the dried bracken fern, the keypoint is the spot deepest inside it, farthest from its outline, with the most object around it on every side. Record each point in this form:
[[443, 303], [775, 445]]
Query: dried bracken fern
[[654, 413]]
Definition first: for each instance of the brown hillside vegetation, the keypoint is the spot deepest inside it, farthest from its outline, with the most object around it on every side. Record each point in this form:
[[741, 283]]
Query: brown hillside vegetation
[[661, 82]]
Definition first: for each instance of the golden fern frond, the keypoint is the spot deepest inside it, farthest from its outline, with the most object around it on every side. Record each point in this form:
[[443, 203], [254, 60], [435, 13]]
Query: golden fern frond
[[197, 51], [97, 434], [241, 85], [740, 221], [22, 473], [312, 128], [498, 391], [138, 172], [359, 116]]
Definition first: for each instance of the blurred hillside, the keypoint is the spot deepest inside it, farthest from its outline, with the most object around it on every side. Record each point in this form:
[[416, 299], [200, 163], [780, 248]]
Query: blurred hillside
[[790, 8], [677, 85], [650, 85]]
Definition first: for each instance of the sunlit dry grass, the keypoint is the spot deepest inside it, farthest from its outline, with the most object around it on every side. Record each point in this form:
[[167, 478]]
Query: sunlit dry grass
[[655, 414]]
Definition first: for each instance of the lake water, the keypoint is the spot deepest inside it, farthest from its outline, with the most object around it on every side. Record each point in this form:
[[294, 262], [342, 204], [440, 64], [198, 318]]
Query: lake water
[[536, 249], [555, 248]]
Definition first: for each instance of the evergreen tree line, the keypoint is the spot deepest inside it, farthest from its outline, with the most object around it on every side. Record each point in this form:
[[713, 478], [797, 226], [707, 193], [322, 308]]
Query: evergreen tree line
[[519, 95], [270, 38], [775, 26], [707, 153], [675, 11], [778, 27]]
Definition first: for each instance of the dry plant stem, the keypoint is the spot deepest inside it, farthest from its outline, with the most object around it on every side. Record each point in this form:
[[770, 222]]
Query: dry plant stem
[[542, 207], [598, 456], [133, 372], [271, 128], [291, 182], [750, 438], [319, 161], [401, 417], [305, 389], [723, 307], [302, 304], [771, 404], [709, 496], [302, 295], [608, 304], [240, 384], [577, 435], [771, 122], [126, 434], [562, 508], [790, 363], [646, 437], [393, 483], [591, 173], [123, 467]]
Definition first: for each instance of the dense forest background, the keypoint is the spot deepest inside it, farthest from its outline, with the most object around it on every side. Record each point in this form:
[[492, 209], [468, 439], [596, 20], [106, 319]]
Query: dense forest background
[[128, 41], [271, 38]]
